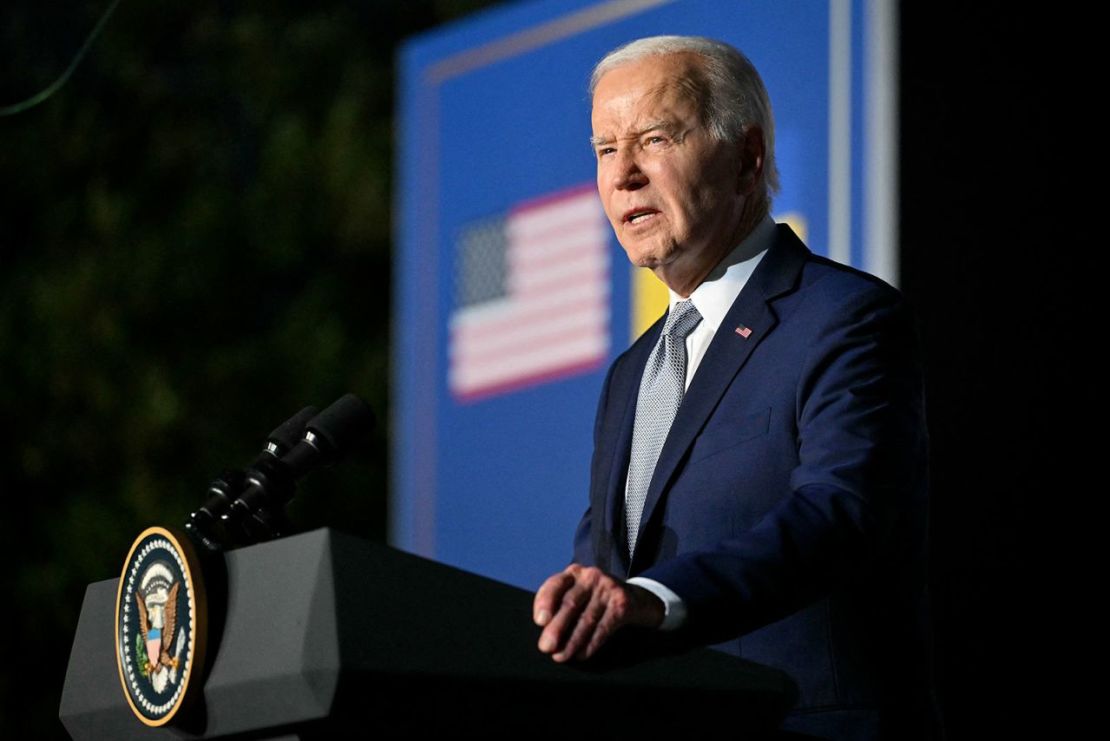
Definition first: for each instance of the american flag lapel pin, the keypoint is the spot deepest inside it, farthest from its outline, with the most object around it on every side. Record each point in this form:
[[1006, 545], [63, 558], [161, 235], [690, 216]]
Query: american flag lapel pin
[[743, 331]]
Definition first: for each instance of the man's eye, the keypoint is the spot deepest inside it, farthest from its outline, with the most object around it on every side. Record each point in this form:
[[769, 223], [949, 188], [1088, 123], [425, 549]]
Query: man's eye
[[602, 151], [655, 140]]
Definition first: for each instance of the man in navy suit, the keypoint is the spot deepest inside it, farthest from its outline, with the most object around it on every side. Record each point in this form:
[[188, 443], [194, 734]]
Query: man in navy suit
[[759, 471]]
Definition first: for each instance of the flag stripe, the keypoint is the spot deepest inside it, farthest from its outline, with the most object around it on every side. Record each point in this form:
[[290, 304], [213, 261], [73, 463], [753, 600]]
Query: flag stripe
[[474, 345], [575, 350], [506, 313], [585, 268], [553, 316], [557, 246], [537, 228]]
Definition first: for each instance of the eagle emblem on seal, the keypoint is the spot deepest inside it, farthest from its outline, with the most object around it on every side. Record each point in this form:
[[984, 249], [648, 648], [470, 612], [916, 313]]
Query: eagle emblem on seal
[[157, 648]]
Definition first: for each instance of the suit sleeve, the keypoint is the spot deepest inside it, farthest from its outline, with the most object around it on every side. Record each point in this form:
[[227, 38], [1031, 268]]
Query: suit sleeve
[[858, 480], [585, 545], [583, 542]]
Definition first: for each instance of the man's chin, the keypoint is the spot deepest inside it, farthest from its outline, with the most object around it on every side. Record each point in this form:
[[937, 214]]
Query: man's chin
[[650, 259]]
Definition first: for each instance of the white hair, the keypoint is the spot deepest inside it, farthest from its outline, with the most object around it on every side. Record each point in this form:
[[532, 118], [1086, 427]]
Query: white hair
[[732, 95]]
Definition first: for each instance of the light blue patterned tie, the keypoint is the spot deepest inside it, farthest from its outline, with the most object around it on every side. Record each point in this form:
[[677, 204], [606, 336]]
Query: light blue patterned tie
[[661, 390]]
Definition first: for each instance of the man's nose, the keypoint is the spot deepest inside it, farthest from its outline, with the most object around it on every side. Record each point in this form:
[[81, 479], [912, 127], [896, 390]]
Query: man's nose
[[628, 175]]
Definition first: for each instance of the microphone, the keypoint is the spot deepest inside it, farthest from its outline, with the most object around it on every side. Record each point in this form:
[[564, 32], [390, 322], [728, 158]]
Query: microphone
[[286, 436], [257, 513], [328, 435], [205, 523]]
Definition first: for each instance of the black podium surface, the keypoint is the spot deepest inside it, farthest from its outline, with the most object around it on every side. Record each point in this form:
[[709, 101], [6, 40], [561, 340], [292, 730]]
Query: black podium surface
[[328, 634]]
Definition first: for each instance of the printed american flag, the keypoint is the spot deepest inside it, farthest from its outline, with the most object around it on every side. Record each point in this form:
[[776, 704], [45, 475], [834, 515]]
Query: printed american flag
[[532, 292]]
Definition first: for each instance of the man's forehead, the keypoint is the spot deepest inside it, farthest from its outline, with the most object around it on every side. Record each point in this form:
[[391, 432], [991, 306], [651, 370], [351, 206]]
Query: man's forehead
[[658, 109], [655, 89]]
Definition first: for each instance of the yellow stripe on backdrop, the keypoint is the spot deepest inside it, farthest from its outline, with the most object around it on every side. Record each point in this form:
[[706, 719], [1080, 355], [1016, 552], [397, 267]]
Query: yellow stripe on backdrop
[[650, 297], [649, 300]]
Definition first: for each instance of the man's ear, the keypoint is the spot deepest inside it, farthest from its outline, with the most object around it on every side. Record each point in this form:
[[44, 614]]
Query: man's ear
[[750, 157]]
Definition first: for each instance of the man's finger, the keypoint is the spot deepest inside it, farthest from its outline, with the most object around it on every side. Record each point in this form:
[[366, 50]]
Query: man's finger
[[614, 617], [564, 617], [549, 596], [585, 626]]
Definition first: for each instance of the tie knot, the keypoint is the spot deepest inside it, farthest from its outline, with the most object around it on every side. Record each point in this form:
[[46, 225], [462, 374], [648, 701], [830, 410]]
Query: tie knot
[[682, 320]]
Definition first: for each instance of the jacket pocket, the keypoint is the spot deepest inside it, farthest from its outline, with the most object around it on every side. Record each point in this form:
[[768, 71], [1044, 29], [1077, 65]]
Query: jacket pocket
[[722, 433]]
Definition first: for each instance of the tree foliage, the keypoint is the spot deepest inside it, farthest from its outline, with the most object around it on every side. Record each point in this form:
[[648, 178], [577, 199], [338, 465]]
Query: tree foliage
[[195, 243]]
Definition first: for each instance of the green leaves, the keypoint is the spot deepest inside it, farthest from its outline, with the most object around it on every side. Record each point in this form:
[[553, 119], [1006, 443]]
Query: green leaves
[[194, 244]]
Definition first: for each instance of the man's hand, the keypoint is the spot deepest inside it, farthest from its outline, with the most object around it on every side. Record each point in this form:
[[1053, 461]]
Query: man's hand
[[581, 607]]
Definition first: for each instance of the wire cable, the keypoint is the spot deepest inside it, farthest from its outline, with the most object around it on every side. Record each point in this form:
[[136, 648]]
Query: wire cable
[[34, 100]]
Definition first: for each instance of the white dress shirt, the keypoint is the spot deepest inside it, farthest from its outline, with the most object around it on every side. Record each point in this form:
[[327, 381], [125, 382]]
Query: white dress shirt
[[712, 298]]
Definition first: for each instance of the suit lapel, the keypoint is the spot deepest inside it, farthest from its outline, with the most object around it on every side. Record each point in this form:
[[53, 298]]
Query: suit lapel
[[626, 388], [776, 274]]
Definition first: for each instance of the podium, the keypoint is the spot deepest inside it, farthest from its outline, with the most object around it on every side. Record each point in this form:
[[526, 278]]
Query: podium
[[327, 635]]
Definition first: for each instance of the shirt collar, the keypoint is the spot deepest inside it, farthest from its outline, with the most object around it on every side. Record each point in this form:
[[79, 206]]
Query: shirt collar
[[716, 294]]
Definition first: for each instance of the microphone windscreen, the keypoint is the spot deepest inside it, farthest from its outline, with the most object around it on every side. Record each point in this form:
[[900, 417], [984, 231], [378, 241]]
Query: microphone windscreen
[[290, 432], [341, 424]]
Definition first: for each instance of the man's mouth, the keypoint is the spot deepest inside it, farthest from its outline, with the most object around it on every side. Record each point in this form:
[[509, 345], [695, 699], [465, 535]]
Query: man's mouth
[[637, 215]]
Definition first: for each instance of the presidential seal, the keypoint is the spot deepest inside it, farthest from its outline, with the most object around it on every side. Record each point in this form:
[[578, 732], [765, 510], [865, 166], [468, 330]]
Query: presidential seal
[[160, 625]]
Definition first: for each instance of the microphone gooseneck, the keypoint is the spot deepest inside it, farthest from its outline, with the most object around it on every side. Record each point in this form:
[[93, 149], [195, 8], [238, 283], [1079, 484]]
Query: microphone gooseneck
[[245, 507]]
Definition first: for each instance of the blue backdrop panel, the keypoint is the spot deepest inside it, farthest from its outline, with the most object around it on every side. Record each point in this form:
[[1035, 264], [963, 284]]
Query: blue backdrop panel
[[493, 118]]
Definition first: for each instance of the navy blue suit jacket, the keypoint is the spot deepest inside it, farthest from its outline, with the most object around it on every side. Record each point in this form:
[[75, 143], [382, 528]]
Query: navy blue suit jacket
[[788, 506]]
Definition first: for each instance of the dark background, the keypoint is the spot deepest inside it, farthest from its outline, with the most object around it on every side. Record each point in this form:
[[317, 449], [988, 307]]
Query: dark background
[[195, 242]]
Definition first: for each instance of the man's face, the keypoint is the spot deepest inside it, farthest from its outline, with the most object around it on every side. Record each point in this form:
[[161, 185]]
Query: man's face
[[672, 193]]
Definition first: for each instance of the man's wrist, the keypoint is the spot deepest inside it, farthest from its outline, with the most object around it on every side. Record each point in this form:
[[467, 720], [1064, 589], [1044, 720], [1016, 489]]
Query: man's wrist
[[674, 609]]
